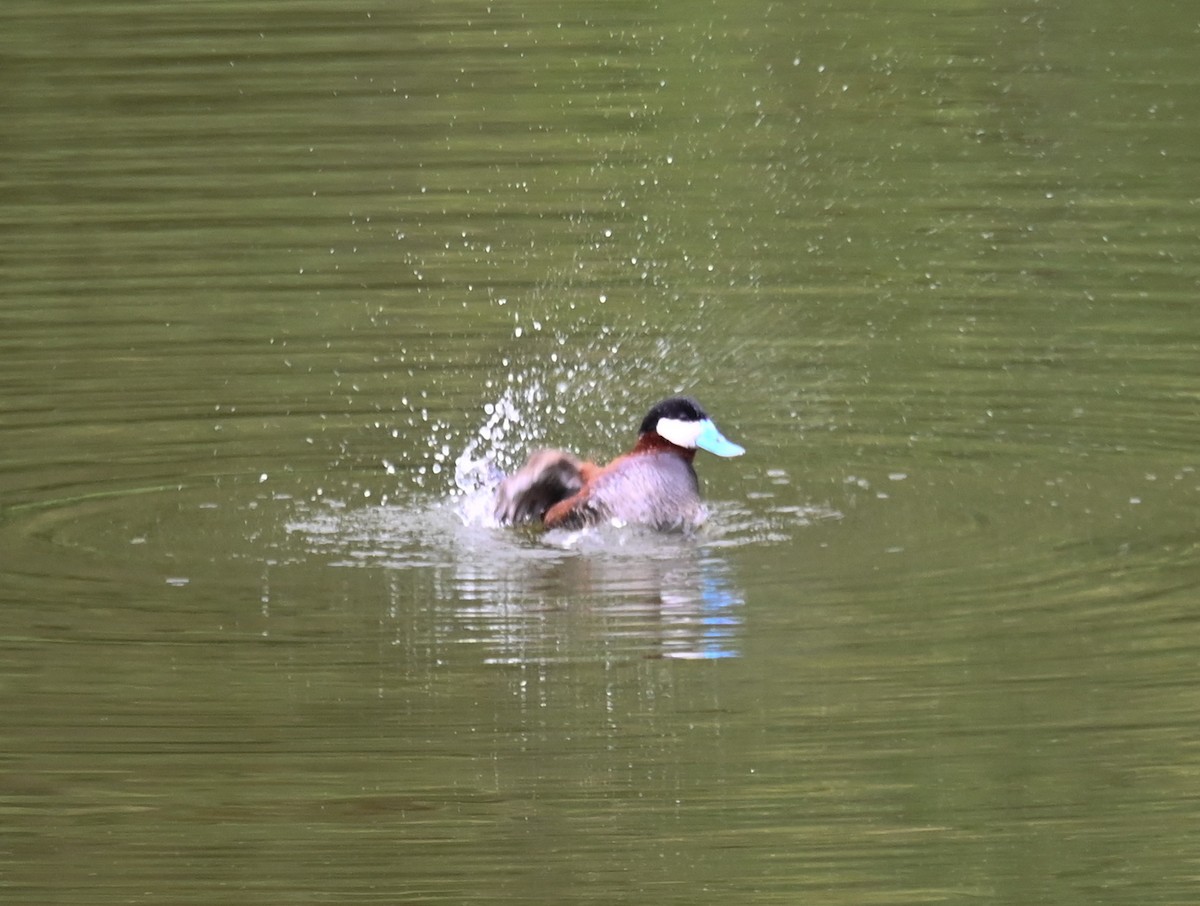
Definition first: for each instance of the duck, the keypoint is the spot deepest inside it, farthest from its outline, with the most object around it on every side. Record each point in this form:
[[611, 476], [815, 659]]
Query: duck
[[654, 484]]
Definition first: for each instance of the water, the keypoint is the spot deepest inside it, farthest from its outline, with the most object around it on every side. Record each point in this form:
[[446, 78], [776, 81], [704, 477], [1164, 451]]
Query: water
[[274, 276]]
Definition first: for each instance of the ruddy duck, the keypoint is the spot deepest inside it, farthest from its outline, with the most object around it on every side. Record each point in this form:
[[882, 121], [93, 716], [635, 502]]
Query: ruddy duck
[[653, 484]]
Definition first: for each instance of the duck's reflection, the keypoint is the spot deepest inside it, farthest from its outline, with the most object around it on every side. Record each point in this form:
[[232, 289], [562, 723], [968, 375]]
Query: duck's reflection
[[676, 600], [603, 593]]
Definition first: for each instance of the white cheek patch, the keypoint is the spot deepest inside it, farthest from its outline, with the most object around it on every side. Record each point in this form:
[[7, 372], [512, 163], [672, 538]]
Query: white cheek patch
[[680, 433]]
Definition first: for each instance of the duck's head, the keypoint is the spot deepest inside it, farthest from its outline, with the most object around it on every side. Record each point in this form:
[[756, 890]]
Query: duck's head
[[681, 421]]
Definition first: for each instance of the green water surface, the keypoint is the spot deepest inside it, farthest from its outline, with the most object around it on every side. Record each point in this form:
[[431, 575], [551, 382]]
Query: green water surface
[[274, 274]]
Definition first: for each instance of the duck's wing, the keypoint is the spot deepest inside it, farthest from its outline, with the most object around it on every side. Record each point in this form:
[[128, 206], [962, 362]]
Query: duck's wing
[[549, 476], [655, 489]]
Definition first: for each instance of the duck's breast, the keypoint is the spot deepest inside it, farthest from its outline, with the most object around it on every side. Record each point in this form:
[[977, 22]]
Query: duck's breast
[[658, 489]]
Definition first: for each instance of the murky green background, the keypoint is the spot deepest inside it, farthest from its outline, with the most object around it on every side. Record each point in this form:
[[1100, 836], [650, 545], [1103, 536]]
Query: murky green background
[[269, 269]]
